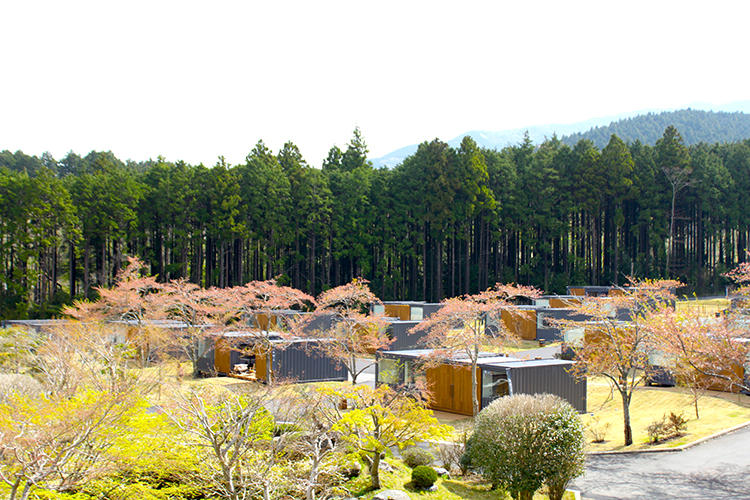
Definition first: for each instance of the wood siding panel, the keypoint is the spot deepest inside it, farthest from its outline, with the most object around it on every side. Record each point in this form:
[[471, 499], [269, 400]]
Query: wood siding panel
[[261, 366], [450, 386], [400, 311], [223, 356], [520, 322]]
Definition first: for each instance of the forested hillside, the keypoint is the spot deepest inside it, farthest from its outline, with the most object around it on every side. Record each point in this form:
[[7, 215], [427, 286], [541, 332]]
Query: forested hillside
[[446, 221], [695, 126]]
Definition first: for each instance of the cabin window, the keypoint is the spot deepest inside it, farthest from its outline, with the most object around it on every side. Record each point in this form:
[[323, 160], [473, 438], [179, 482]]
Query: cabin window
[[657, 358], [378, 309], [417, 313], [494, 385], [574, 336], [389, 371], [540, 320]]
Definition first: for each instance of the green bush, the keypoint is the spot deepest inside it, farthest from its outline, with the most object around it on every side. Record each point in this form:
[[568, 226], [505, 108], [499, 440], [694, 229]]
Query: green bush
[[522, 442], [415, 456], [423, 476]]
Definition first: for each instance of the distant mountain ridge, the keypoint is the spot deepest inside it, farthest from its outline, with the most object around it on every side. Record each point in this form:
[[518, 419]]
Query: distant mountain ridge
[[726, 123]]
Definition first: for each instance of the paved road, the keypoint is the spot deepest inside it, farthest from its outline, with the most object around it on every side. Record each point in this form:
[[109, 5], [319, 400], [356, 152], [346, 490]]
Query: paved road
[[717, 469], [368, 375]]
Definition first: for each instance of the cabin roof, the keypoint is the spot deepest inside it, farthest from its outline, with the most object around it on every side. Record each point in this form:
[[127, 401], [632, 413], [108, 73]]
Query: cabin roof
[[485, 360]]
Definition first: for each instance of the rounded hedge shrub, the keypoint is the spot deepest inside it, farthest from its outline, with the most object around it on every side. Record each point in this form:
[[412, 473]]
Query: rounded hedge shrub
[[423, 476], [522, 442], [417, 456]]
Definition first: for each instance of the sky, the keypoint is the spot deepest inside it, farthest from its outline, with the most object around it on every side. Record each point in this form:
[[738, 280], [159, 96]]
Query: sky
[[195, 80]]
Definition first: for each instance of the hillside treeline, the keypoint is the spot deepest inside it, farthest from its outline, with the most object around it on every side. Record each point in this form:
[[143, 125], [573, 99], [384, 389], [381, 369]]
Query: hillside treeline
[[695, 126], [446, 221]]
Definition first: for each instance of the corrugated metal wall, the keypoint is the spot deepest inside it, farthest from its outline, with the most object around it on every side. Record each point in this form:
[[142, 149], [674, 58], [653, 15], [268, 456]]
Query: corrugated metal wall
[[430, 308], [404, 340], [300, 362], [551, 379]]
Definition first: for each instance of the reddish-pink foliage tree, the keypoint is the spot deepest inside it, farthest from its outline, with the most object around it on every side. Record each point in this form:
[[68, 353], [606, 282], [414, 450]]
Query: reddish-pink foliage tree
[[202, 312], [131, 303], [458, 329], [259, 303], [702, 352], [741, 276], [710, 351], [354, 332], [616, 346]]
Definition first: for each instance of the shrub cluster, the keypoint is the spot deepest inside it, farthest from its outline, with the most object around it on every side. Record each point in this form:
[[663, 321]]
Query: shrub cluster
[[668, 427], [522, 442], [416, 456]]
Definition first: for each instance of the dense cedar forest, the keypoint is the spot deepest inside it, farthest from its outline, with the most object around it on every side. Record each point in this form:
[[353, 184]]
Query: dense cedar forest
[[444, 222], [695, 126]]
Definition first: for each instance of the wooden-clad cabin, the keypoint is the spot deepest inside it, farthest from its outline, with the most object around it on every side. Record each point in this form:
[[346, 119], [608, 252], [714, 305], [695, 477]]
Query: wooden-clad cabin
[[450, 381], [300, 360]]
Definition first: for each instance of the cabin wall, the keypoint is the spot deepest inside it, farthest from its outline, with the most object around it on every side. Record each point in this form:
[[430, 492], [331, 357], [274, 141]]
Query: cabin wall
[[403, 339], [400, 311], [551, 379], [301, 362], [450, 387]]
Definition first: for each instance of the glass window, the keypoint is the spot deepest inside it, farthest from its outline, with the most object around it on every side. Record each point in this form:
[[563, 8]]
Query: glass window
[[540, 323], [657, 358], [389, 371], [494, 385], [378, 309], [417, 313], [574, 336]]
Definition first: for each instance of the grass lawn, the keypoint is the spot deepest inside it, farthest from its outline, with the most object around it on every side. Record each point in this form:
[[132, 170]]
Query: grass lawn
[[460, 488], [717, 410]]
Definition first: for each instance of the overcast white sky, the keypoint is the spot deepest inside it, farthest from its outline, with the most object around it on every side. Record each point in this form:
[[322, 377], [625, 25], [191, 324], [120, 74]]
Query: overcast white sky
[[194, 80]]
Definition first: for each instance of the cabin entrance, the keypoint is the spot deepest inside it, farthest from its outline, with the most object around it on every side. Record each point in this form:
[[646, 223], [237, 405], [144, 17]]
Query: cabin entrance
[[450, 386]]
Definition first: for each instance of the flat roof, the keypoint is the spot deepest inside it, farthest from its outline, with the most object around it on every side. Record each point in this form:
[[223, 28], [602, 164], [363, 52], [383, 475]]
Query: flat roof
[[485, 360], [274, 337]]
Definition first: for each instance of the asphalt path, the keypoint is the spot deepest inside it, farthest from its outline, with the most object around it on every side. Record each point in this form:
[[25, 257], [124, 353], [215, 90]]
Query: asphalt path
[[716, 469]]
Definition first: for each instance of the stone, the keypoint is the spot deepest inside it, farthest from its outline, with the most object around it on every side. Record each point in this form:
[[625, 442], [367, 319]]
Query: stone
[[441, 471], [386, 467], [391, 495], [352, 469]]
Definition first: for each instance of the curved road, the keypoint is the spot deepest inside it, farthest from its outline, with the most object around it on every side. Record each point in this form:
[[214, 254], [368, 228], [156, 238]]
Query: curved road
[[716, 469]]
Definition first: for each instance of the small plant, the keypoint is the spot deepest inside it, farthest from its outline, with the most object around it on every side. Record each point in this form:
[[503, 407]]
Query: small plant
[[415, 456], [597, 429], [450, 453], [423, 476], [666, 427], [678, 423], [657, 430]]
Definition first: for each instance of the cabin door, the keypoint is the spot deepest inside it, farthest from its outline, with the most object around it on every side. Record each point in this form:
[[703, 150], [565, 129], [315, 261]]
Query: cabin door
[[450, 386]]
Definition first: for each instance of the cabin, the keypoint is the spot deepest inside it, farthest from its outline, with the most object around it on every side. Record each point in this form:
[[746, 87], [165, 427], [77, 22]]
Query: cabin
[[659, 374], [282, 319], [35, 325], [708, 307], [557, 301], [595, 291], [406, 310], [234, 354], [497, 376]]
